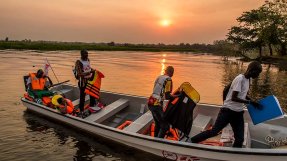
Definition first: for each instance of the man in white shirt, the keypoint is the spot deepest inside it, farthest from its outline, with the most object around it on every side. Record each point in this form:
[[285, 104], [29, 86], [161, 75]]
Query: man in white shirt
[[84, 72], [232, 109]]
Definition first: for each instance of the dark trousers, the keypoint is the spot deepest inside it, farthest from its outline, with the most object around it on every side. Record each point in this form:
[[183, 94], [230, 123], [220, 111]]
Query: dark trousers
[[82, 99], [161, 126], [225, 117]]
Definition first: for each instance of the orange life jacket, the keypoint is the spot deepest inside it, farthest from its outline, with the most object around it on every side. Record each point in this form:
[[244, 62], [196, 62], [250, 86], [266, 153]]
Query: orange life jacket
[[70, 106], [152, 128], [125, 124], [26, 95], [46, 101], [93, 87], [172, 133], [212, 143], [37, 83]]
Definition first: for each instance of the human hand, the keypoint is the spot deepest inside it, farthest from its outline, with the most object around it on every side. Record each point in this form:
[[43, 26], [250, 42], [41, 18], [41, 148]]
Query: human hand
[[256, 105]]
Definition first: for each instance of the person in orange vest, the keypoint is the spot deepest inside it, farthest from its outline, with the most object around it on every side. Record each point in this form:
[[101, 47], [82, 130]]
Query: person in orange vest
[[64, 105], [38, 84]]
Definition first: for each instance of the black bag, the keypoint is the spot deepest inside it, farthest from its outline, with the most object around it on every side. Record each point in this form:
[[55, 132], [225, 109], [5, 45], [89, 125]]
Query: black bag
[[180, 113]]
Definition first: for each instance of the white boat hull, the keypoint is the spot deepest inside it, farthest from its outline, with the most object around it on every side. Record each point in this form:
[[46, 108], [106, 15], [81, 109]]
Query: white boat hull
[[174, 150]]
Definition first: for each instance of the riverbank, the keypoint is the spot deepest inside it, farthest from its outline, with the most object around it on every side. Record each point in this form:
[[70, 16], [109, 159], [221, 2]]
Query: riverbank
[[279, 61], [52, 46], [194, 48]]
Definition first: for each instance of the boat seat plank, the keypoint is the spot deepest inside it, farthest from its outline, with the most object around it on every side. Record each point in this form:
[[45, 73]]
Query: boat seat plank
[[77, 101], [64, 91], [140, 124], [200, 123], [108, 111]]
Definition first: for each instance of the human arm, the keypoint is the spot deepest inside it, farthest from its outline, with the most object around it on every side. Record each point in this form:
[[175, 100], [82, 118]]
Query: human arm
[[80, 71], [239, 89], [248, 100], [168, 90], [235, 98], [49, 80]]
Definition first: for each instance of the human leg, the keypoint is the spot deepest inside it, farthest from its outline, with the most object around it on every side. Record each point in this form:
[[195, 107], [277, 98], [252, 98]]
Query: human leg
[[156, 117], [32, 94], [82, 98], [222, 120], [93, 101], [45, 93], [164, 126], [237, 124]]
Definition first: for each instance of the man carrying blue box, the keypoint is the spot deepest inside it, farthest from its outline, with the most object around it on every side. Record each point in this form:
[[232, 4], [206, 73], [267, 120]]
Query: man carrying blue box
[[232, 109]]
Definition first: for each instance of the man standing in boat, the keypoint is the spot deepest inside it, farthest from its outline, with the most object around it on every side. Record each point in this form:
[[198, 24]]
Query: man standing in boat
[[83, 73], [232, 109], [161, 91]]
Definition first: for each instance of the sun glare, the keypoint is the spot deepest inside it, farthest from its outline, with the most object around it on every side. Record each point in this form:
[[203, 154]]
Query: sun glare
[[165, 23]]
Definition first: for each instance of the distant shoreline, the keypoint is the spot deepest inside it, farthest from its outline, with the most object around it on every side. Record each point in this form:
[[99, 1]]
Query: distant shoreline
[[194, 48], [54, 46]]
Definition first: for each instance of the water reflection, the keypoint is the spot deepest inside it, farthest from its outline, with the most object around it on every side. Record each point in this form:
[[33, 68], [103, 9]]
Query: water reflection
[[163, 64], [34, 138], [71, 144]]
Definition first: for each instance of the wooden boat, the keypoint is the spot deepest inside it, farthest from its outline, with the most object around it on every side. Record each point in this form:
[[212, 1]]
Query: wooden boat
[[264, 142]]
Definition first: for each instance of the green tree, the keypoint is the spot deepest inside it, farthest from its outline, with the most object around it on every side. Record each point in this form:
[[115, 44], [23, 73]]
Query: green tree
[[265, 26], [247, 33], [277, 10]]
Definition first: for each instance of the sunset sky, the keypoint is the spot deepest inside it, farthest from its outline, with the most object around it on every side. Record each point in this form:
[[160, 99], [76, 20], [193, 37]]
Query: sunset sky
[[122, 21]]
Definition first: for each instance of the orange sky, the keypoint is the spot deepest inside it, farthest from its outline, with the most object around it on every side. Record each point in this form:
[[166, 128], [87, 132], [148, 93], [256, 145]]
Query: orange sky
[[131, 21]]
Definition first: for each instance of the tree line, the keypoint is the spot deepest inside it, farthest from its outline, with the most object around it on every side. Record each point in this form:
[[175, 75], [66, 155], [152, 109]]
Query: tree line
[[265, 27], [219, 47]]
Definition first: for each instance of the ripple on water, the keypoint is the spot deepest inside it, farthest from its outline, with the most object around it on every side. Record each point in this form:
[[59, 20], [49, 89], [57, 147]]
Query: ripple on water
[[26, 136]]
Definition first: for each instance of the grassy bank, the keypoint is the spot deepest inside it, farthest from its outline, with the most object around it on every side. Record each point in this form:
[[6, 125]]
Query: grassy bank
[[52, 46]]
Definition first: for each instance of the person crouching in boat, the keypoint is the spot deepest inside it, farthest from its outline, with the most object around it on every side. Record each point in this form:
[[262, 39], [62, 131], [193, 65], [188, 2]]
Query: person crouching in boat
[[161, 91], [84, 72], [232, 109], [38, 84], [64, 105]]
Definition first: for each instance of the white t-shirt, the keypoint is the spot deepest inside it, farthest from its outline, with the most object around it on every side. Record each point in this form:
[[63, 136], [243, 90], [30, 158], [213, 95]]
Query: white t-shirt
[[86, 68], [241, 85]]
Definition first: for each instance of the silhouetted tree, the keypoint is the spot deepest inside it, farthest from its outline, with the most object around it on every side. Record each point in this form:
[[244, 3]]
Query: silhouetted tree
[[265, 26]]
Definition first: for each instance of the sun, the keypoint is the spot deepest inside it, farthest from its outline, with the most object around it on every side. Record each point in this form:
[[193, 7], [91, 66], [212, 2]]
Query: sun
[[165, 23]]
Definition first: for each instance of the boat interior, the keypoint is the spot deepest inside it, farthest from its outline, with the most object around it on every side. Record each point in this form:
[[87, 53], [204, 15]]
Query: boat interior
[[130, 113]]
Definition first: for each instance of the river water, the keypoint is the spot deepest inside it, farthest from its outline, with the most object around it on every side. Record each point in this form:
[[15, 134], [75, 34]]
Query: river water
[[26, 136]]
